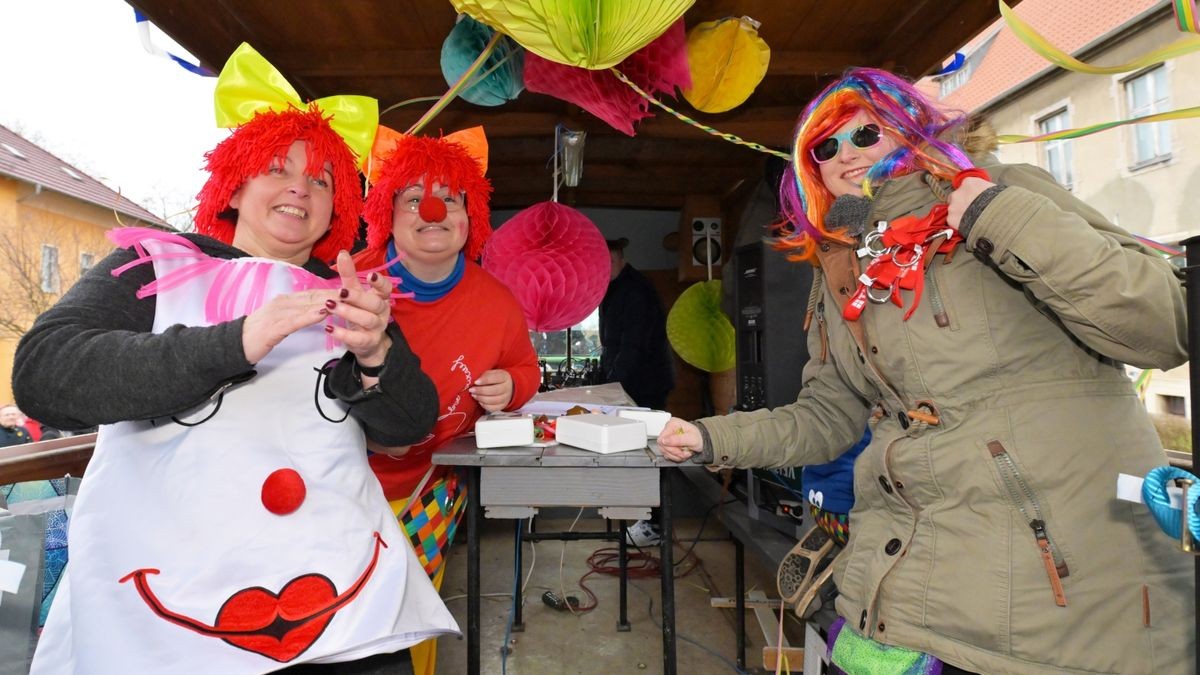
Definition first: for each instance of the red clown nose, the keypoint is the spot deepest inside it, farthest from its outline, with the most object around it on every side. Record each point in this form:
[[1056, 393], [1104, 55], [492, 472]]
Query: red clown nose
[[432, 209]]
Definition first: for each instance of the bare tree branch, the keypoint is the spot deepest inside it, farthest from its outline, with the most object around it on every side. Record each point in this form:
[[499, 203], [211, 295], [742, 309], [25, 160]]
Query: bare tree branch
[[21, 296]]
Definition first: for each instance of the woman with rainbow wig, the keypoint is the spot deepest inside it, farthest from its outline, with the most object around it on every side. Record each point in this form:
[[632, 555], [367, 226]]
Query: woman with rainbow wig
[[977, 317], [229, 521]]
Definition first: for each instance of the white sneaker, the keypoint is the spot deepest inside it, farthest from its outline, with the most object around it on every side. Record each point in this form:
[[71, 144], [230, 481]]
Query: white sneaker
[[643, 534]]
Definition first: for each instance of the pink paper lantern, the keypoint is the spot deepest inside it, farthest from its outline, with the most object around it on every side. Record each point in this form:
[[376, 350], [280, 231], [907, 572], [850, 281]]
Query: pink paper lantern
[[660, 66], [554, 260]]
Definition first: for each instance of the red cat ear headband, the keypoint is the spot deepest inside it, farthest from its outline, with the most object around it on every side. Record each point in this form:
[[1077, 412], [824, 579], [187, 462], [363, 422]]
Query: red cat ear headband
[[267, 116], [457, 161]]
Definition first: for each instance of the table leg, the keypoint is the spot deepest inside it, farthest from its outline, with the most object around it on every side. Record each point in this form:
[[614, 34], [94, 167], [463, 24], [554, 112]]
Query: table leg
[[666, 556], [623, 562], [739, 565], [474, 522], [518, 569]]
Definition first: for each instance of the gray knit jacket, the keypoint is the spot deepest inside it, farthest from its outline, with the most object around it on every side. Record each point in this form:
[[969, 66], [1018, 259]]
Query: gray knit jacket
[[92, 359]]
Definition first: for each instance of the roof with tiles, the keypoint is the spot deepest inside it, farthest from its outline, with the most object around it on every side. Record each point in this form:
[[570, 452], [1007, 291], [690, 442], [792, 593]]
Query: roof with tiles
[[26, 161], [1005, 63]]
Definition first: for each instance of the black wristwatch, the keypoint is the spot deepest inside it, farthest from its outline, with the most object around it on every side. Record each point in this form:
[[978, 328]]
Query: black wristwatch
[[369, 371]]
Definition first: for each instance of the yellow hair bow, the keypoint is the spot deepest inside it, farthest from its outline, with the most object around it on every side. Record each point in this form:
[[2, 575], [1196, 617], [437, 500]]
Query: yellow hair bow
[[249, 84]]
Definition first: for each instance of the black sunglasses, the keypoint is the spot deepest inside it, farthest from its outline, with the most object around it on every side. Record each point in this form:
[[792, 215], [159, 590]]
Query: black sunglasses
[[862, 137]]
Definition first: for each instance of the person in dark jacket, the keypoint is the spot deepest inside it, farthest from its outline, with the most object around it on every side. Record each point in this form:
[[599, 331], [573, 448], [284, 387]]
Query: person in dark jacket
[[633, 337], [633, 334], [11, 431]]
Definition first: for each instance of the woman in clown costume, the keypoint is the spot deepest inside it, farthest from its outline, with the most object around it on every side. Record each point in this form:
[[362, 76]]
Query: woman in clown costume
[[228, 521], [427, 217]]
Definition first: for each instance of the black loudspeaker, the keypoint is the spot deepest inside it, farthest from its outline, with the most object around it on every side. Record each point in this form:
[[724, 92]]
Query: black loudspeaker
[[706, 241], [771, 298]]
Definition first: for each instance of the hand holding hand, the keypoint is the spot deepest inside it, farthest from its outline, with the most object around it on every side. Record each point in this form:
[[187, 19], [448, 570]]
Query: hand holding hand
[[493, 390], [680, 440], [961, 198]]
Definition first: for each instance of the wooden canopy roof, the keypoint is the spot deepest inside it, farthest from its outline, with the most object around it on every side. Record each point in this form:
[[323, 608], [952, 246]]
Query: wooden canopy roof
[[390, 49]]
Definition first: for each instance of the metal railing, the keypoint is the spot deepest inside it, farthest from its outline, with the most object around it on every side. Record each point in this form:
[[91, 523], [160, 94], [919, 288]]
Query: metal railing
[[46, 459]]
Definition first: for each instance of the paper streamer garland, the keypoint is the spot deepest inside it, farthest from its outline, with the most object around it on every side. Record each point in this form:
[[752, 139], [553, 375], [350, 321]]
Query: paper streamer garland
[[503, 80], [1186, 16], [727, 59], [1024, 32], [955, 64], [699, 331], [1058, 57], [1183, 113], [736, 140], [554, 260], [593, 34], [143, 26]]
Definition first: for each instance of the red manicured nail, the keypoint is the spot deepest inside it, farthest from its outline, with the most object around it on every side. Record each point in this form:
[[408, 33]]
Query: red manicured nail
[[374, 277], [344, 293], [328, 328], [330, 304], [323, 312]]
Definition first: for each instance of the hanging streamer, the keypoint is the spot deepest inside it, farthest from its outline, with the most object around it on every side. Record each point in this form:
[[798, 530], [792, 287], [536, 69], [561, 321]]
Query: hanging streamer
[[959, 61], [1142, 383], [1186, 16], [1183, 113], [1169, 251], [143, 25], [724, 136], [1058, 57]]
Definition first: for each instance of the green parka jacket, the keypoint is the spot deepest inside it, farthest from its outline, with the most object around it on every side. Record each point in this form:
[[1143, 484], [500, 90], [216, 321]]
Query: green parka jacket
[[994, 540]]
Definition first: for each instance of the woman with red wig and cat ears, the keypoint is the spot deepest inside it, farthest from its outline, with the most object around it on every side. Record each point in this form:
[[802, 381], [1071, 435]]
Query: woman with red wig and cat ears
[[977, 316], [427, 219], [229, 521]]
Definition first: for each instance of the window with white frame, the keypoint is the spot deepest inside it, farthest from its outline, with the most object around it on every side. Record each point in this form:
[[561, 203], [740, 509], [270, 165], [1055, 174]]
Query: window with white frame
[[1145, 94], [1056, 155], [958, 78], [86, 262], [51, 281]]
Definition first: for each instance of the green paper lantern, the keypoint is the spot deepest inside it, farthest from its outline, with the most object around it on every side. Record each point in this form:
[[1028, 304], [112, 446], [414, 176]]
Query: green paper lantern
[[699, 331], [504, 68], [592, 34]]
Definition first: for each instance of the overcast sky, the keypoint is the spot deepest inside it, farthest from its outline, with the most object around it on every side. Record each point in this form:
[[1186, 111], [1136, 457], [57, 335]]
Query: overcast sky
[[75, 79]]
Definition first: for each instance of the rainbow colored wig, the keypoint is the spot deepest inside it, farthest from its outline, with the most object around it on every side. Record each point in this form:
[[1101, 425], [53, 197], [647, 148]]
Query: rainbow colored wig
[[904, 115], [420, 159], [249, 152]]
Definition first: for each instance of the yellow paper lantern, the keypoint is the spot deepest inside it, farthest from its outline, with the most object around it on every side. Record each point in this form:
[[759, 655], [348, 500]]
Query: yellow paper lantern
[[592, 34], [728, 59]]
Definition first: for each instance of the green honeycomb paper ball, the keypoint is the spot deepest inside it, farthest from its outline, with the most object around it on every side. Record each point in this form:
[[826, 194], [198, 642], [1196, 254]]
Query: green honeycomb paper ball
[[698, 331]]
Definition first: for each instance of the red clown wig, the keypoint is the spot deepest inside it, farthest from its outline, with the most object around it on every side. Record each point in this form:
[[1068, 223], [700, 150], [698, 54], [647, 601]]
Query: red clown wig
[[419, 159], [249, 151]]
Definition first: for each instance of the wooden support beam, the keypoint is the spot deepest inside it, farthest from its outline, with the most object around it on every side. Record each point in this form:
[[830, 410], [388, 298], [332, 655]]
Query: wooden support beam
[[731, 603], [794, 655], [586, 198], [387, 63], [768, 622]]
